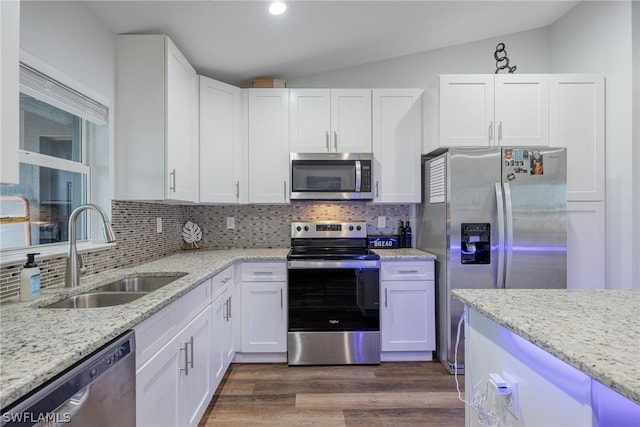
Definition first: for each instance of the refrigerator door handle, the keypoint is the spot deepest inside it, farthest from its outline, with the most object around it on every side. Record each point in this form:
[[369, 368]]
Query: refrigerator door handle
[[500, 209], [509, 229]]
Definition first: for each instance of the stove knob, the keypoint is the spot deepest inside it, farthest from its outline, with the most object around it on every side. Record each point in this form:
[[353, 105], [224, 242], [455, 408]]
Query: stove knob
[[298, 228], [351, 228], [358, 228], [306, 228]]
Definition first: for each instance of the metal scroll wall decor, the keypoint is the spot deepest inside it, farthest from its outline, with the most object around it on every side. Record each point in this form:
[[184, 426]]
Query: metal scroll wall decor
[[502, 61]]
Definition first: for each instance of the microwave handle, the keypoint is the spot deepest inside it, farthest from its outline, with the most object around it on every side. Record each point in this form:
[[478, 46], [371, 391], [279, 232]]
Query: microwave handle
[[358, 174]]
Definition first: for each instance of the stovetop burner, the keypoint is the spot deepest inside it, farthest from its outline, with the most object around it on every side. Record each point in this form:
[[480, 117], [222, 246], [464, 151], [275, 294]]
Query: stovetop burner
[[328, 253], [330, 240]]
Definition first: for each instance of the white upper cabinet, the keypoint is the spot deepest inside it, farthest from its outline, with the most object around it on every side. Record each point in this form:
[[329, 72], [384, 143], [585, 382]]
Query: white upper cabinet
[[330, 120], [268, 141], [494, 110], [156, 120], [577, 120], [221, 162], [9, 91], [397, 138]]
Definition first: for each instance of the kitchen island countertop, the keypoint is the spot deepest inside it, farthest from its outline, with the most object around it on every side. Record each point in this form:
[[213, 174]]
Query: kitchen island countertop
[[595, 331], [36, 344]]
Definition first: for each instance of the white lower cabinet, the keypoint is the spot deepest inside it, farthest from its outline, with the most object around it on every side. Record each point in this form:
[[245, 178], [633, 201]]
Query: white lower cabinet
[[157, 389], [173, 387], [264, 308], [222, 345], [407, 312], [173, 361], [195, 354]]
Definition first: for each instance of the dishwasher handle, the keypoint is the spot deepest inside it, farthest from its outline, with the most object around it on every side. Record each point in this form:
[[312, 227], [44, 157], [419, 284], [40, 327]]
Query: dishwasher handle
[[67, 410]]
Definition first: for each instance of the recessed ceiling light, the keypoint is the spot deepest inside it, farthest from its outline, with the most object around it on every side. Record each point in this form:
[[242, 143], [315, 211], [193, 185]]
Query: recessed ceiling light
[[277, 8]]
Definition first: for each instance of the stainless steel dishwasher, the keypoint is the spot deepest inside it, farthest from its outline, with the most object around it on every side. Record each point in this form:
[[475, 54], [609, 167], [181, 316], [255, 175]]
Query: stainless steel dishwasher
[[100, 390]]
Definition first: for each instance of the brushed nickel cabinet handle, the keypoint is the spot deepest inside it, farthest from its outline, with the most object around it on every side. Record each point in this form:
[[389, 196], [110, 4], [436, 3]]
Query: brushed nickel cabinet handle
[[172, 186], [186, 359], [326, 137], [191, 342], [335, 140]]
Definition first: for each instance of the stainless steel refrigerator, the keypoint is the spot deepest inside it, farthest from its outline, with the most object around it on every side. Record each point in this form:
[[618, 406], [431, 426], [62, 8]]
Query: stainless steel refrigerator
[[495, 218]]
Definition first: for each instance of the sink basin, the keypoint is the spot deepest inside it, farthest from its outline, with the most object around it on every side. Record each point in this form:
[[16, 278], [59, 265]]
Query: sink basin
[[138, 284], [97, 299]]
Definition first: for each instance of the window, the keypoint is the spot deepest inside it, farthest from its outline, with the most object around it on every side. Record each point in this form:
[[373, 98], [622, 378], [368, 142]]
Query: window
[[58, 129]]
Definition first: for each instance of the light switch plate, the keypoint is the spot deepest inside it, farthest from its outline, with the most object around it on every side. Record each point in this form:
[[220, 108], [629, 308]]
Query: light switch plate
[[231, 223], [382, 221]]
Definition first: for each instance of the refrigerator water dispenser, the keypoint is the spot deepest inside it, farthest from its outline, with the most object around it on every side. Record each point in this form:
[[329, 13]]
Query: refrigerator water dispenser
[[475, 243]]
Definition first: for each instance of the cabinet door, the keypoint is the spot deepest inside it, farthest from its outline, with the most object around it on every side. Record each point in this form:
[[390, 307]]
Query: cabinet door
[[350, 121], [9, 91], [219, 314], [310, 120], [407, 318], [228, 348], [220, 142], [576, 114], [264, 324], [466, 110], [521, 109], [181, 122], [157, 395], [586, 255], [268, 145], [195, 391], [397, 133]]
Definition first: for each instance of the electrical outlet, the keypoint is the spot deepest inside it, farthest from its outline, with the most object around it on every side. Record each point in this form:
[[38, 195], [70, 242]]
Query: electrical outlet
[[382, 221], [512, 401], [231, 223], [158, 225]]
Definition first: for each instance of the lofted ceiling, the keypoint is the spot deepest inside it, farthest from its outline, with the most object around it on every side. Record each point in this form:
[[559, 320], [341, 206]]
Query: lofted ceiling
[[236, 41]]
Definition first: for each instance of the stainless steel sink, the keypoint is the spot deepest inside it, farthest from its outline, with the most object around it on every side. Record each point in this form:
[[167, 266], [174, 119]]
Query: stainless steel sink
[[138, 284], [97, 299]]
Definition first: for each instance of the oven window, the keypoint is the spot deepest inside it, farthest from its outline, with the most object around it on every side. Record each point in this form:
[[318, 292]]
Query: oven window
[[334, 299], [324, 176]]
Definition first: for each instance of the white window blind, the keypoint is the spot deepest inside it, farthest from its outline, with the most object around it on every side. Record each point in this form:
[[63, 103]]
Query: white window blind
[[44, 88]]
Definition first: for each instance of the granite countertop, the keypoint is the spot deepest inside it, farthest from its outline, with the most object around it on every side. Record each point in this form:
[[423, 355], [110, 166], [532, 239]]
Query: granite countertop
[[595, 331], [37, 344]]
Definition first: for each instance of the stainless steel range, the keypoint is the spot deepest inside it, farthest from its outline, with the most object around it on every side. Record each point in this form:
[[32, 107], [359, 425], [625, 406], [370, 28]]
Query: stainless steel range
[[334, 293]]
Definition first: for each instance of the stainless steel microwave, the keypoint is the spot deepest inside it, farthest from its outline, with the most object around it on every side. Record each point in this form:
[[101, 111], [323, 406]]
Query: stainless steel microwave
[[331, 176]]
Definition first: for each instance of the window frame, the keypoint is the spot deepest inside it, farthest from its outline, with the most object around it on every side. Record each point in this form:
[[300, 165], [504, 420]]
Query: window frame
[[95, 240]]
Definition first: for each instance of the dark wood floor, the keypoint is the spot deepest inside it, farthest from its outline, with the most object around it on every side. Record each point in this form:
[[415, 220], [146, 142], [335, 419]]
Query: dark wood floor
[[391, 394]]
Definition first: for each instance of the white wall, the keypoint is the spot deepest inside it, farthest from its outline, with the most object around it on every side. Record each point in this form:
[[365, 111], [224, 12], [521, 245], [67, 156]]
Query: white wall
[[595, 37], [70, 38], [527, 50]]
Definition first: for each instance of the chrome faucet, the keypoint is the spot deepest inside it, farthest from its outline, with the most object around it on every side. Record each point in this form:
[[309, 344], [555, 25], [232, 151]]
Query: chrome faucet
[[74, 262]]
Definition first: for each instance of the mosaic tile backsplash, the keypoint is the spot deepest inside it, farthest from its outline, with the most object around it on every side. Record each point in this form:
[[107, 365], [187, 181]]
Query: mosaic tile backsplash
[[256, 226]]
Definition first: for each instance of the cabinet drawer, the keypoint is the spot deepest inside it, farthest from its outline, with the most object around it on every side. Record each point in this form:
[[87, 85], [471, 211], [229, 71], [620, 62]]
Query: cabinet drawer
[[221, 280], [196, 300], [153, 333], [264, 272], [407, 270]]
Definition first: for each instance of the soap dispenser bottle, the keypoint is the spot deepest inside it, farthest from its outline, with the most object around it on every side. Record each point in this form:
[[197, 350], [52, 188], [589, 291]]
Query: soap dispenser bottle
[[408, 236], [30, 279], [402, 231]]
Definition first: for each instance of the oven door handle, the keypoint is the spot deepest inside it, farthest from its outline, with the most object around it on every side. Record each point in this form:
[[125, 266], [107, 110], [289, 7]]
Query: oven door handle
[[328, 264]]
